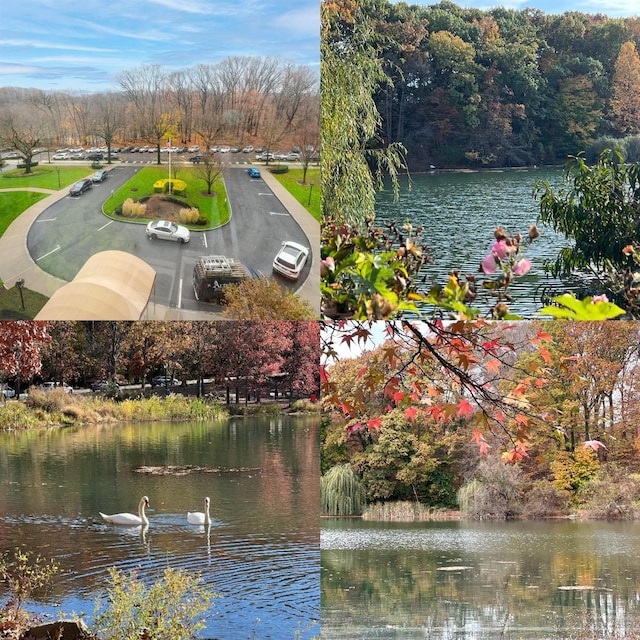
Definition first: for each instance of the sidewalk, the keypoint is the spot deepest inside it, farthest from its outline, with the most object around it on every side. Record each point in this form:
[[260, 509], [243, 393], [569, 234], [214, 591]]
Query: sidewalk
[[16, 262]]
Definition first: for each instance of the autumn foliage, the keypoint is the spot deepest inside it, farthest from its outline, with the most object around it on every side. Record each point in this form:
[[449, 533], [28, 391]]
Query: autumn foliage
[[417, 411]]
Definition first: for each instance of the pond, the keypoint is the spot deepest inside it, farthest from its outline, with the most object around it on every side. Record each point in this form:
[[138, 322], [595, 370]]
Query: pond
[[260, 554], [478, 580], [460, 210]]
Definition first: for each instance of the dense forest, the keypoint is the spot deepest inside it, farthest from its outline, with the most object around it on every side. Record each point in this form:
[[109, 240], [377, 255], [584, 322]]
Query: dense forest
[[501, 87]]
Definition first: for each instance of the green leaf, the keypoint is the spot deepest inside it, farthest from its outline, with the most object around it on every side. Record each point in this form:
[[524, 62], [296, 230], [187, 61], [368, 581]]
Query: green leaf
[[570, 308]]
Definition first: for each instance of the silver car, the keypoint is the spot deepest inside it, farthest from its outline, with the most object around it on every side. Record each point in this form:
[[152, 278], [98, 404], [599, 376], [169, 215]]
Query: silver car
[[167, 230]]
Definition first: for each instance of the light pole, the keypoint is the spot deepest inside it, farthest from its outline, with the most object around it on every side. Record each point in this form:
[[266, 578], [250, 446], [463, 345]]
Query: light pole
[[310, 190], [20, 285]]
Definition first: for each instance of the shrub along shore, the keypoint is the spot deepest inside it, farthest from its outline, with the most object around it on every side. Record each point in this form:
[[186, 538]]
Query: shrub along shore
[[56, 408]]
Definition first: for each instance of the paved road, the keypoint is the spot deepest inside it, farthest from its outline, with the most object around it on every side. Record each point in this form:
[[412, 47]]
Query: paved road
[[69, 231]]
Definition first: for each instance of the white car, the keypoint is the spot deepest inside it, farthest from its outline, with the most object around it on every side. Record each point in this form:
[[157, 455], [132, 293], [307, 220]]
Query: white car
[[167, 230], [290, 260], [50, 386]]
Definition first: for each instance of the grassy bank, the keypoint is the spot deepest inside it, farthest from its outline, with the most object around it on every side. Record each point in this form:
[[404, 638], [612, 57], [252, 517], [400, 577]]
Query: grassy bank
[[305, 194], [11, 303], [44, 177], [57, 408], [14, 204]]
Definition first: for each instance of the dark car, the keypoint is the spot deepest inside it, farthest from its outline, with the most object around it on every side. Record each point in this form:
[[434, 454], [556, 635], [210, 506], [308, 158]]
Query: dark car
[[80, 187], [94, 156], [99, 176], [199, 157]]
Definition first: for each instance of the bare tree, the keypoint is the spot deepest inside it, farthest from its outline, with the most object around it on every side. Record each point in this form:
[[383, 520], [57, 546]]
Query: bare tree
[[108, 118], [147, 88], [22, 132], [209, 169]]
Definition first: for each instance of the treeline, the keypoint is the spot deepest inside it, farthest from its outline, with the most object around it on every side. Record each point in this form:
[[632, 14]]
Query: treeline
[[283, 354], [238, 100], [502, 87]]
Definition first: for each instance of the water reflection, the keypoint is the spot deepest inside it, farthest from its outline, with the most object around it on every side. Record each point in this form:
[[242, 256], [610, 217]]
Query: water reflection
[[260, 552], [477, 580]]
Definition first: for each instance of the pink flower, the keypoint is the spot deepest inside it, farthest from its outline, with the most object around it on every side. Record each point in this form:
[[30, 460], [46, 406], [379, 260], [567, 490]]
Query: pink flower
[[500, 249], [489, 264], [521, 267], [601, 298]]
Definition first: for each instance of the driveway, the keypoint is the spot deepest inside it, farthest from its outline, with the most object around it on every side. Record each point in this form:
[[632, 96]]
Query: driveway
[[66, 233]]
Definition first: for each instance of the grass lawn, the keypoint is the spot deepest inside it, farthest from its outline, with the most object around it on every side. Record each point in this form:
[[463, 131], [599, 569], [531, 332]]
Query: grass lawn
[[45, 177], [291, 182], [215, 208], [11, 304], [14, 203]]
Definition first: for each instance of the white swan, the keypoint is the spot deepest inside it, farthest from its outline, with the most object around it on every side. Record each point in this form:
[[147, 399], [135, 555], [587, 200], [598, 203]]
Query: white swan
[[197, 517], [129, 518]]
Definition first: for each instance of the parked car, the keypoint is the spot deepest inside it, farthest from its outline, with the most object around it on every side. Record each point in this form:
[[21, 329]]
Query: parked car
[[49, 386], [104, 386], [95, 156], [167, 230], [247, 149], [199, 157], [194, 148], [254, 172], [290, 260], [80, 187], [8, 392], [99, 176], [164, 381]]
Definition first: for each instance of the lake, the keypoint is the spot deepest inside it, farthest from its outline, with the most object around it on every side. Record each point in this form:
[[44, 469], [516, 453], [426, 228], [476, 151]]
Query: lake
[[261, 553], [460, 210], [478, 580]]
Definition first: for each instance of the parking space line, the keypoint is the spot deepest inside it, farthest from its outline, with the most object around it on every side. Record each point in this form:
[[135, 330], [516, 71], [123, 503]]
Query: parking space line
[[180, 295], [48, 254], [278, 213], [104, 226]]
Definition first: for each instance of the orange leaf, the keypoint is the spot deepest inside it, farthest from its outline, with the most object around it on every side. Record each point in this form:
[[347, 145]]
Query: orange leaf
[[545, 355]]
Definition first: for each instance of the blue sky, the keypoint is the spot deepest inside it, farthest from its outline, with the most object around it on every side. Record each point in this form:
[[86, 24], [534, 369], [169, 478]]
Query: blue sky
[[612, 8], [81, 45]]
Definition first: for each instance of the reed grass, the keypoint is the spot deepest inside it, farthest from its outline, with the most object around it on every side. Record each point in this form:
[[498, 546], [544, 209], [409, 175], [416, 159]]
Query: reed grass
[[404, 511], [58, 408]]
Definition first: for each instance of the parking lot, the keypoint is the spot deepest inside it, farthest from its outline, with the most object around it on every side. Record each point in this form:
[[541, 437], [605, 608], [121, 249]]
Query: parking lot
[[66, 233]]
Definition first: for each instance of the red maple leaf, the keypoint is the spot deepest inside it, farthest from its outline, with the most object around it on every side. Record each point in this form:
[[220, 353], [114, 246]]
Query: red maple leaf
[[374, 423], [410, 413], [465, 409]]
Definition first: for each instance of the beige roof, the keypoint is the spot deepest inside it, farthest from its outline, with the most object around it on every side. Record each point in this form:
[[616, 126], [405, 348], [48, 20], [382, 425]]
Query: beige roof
[[112, 285]]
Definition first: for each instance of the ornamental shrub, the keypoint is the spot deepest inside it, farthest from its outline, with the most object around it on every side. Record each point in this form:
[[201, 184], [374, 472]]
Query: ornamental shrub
[[189, 216], [178, 187], [132, 209]]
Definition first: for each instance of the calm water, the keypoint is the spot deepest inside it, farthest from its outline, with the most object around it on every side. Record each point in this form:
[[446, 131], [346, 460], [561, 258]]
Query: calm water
[[261, 553], [515, 580], [460, 212]]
